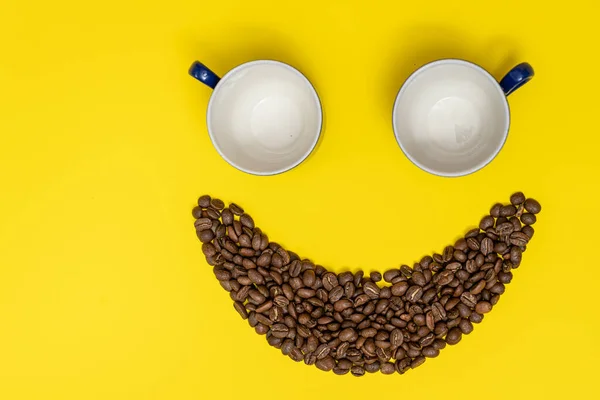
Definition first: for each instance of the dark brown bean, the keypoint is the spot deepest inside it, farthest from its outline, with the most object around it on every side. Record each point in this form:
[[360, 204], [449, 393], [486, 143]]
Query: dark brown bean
[[375, 276], [532, 206], [487, 246], [508, 211], [528, 219], [205, 236], [468, 299], [417, 362], [348, 335], [443, 278], [517, 198], [247, 221], [309, 277], [454, 336], [472, 243], [342, 305], [371, 290], [483, 307], [414, 293], [418, 278]]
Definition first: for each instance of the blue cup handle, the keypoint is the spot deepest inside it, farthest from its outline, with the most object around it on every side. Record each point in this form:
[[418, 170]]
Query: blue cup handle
[[204, 74], [516, 77]]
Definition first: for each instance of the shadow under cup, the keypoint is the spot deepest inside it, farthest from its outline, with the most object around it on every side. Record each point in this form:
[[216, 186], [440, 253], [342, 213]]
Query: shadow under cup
[[451, 118], [264, 117]]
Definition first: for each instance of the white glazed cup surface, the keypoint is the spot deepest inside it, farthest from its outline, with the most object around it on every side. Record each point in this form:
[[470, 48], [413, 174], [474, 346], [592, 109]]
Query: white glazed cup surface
[[264, 117], [451, 117]]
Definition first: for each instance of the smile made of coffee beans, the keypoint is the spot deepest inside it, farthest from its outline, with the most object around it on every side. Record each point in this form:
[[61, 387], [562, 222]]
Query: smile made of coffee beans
[[354, 323]]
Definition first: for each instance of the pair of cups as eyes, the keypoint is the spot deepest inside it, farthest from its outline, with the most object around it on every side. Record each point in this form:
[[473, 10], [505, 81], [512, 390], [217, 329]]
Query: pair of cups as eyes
[[450, 117]]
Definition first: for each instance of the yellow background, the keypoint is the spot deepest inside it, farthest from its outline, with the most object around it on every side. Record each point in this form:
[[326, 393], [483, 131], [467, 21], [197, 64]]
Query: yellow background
[[104, 292]]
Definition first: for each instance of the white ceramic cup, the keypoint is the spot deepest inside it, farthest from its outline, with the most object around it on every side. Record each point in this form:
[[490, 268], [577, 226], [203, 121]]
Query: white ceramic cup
[[264, 117], [451, 117]]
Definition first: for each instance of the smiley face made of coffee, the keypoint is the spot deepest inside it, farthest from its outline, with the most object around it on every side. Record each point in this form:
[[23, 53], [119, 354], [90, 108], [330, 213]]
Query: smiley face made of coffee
[[352, 323]]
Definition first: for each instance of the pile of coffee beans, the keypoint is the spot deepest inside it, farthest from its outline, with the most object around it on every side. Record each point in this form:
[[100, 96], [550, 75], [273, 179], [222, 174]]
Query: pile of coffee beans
[[354, 323]]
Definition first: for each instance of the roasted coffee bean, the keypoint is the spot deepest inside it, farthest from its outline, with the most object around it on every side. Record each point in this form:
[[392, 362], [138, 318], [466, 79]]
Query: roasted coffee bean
[[358, 278], [205, 236], [418, 278], [342, 305], [468, 299], [387, 368], [204, 201], [235, 209], [438, 311], [406, 271], [335, 294], [465, 326], [256, 277], [321, 351], [390, 274], [447, 253], [296, 354], [209, 249], [399, 288], [473, 243], [357, 370], [443, 278], [478, 288], [430, 352], [384, 354], [508, 211], [495, 210], [515, 256], [532, 206], [454, 336], [349, 290], [197, 212], [414, 293], [306, 293], [372, 367], [239, 307], [371, 290], [247, 221], [213, 214], [528, 219], [309, 277], [375, 276], [483, 307], [517, 198], [486, 223], [348, 335], [396, 338], [519, 239], [330, 281], [460, 256], [256, 240], [217, 204], [451, 303], [487, 246], [528, 230], [295, 268], [264, 307], [505, 228], [418, 361], [500, 247], [202, 224]]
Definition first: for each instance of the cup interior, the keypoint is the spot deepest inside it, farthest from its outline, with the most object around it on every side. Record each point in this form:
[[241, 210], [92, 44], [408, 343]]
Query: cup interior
[[264, 117], [451, 118]]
